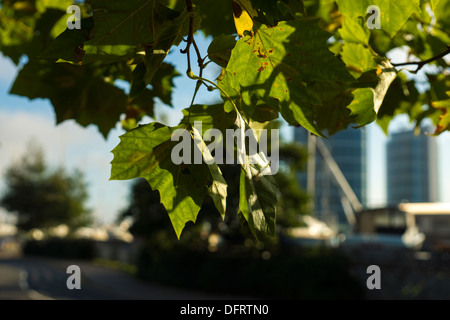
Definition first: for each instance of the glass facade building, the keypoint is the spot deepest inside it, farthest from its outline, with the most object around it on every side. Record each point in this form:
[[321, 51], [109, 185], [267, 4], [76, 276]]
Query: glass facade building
[[348, 148], [411, 167]]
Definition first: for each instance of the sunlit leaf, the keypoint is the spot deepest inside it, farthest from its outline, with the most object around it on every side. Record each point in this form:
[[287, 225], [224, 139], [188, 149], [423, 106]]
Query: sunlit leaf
[[146, 152], [444, 119], [122, 29], [243, 13], [393, 13], [276, 66], [367, 101], [220, 48]]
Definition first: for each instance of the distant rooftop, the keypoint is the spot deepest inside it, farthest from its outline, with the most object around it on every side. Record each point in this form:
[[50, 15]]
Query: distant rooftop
[[425, 208]]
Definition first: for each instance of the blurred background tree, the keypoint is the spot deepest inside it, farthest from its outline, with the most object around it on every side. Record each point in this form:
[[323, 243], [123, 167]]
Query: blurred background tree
[[43, 198]]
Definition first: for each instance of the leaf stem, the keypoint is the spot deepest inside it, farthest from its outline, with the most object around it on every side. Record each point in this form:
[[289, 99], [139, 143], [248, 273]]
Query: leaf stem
[[190, 39], [201, 62], [194, 77], [190, 10]]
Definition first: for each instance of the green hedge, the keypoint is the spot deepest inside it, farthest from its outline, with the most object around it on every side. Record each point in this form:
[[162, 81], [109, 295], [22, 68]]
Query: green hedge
[[61, 248], [283, 276]]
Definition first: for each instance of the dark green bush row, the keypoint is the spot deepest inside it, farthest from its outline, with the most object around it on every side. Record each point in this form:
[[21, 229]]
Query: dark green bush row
[[61, 248], [283, 276]]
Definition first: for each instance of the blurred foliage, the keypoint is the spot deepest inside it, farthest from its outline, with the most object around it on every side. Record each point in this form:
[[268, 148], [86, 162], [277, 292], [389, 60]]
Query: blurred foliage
[[311, 275], [43, 198], [61, 248]]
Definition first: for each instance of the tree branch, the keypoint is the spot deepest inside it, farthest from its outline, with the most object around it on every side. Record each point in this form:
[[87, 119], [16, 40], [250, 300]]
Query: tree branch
[[421, 64], [191, 41], [190, 10]]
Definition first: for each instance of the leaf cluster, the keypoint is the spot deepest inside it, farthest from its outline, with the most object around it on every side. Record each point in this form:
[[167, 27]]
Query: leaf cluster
[[312, 63]]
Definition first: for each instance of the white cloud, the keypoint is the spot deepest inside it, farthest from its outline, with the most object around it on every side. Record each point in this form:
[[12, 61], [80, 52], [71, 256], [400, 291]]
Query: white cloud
[[68, 145], [8, 71]]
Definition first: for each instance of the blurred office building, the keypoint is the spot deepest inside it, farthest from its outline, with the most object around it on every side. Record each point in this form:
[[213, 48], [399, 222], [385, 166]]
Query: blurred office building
[[347, 150], [411, 167]]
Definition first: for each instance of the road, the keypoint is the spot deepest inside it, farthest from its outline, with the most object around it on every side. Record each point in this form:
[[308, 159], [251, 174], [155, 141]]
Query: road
[[27, 278]]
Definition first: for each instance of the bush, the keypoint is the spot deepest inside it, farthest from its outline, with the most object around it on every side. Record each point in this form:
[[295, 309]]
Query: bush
[[283, 276], [61, 248]]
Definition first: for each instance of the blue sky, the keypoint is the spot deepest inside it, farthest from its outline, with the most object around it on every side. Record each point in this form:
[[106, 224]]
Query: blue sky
[[68, 145], [72, 146]]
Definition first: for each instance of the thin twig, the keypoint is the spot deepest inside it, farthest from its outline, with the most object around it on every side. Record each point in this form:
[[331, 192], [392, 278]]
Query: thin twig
[[190, 39], [421, 64], [190, 10], [200, 61]]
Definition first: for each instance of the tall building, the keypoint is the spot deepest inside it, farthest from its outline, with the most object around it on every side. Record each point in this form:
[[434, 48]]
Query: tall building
[[348, 149], [411, 167]]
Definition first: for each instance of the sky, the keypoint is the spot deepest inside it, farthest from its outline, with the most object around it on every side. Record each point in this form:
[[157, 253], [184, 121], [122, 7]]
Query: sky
[[69, 145]]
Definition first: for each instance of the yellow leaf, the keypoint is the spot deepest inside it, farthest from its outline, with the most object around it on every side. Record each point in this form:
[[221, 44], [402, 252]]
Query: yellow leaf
[[243, 13]]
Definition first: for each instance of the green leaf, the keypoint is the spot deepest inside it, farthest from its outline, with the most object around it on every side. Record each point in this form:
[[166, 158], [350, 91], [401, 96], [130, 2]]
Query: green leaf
[[162, 82], [211, 116], [358, 58], [216, 16], [153, 60], [260, 212], [434, 4], [258, 193], [15, 34], [367, 101], [145, 103], [444, 118], [119, 27], [394, 13], [68, 45], [219, 51], [122, 29], [277, 64], [386, 74], [272, 12], [43, 5], [402, 97], [218, 188], [146, 152], [333, 115], [362, 106], [169, 33], [442, 14], [354, 30], [142, 97], [138, 83], [43, 31], [75, 92], [257, 201], [230, 85]]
